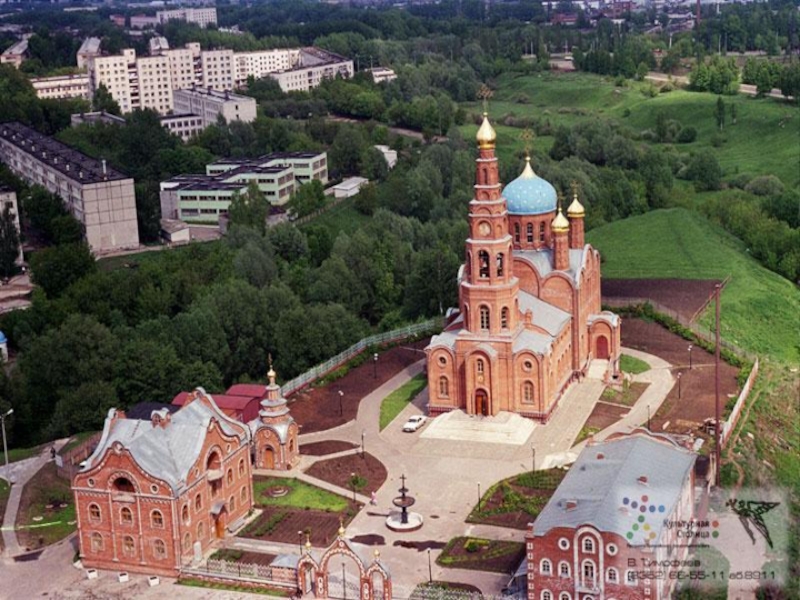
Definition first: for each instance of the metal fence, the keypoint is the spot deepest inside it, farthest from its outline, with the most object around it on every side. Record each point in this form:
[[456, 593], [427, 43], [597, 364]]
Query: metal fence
[[235, 571], [329, 365], [733, 418]]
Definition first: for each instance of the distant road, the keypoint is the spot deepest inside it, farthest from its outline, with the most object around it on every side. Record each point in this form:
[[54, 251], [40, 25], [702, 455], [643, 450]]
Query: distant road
[[744, 88], [410, 133]]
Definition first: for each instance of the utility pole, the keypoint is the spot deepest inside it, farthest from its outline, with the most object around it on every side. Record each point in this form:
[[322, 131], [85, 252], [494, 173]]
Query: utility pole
[[717, 425]]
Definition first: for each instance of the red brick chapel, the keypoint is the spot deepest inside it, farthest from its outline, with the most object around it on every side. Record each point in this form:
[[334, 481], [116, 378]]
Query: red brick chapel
[[529, 321]]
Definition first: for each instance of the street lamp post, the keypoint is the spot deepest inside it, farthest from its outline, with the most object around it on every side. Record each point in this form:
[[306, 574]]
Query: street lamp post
[[533, 457], [363, 434], [691, 347], [5, 447], [648, 417], [353, 485], [430, 568], [344, 583], [341, 395], [679, 386], [375, 365], [479, 496], [300, 535]]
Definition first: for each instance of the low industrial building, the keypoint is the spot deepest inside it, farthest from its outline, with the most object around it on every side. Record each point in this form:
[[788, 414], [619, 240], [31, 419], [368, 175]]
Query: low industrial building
[[381, 74], [209, 104], [198, 197], [100, 198], [349, 187], [14, 55]]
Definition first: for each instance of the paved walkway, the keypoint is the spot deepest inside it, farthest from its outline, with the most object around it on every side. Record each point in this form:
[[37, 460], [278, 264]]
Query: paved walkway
[[446, 476], [19, 473]]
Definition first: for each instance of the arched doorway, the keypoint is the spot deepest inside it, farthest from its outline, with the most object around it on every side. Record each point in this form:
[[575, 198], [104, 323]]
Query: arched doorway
[[344, 578], [307, 579], [602, 347], [481, 403], [269, 457], [219, 523]]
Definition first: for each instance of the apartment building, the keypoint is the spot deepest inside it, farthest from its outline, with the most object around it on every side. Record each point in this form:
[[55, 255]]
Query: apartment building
[[197, 197], [88, 50], [62, 86], [209, 104], [99, 197], [15, 54], [294, 68], [315, 65], [144, 22], [201, 16], [381, 74]]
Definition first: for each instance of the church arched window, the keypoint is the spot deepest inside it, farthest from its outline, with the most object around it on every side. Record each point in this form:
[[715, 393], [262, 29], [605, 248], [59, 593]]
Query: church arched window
[[483, 263], [541, 231], [516, 233], [479, 366], [527, 392], [485, 318], [529, 233], [504, 318], [443, 387], [499, 261]]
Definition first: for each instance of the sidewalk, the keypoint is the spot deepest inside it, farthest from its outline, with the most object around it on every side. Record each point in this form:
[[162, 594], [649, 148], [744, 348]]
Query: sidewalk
[[20, 473]]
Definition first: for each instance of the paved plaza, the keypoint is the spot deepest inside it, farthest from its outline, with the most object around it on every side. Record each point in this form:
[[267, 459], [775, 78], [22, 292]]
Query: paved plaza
[[446, 470]]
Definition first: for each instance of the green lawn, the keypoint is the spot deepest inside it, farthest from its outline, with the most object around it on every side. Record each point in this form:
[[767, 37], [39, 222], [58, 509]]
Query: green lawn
[[301, 495], [342, 218], [760, 309], [17, 454], [631, 365], [395, 402], [763, 141]]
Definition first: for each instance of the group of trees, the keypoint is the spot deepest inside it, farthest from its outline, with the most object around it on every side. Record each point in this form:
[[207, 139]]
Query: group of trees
[[767, 75], [718, 76]]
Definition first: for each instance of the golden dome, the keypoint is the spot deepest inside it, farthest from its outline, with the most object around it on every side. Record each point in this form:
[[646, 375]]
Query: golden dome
[[560, 223], [486, 134], [576, 208]]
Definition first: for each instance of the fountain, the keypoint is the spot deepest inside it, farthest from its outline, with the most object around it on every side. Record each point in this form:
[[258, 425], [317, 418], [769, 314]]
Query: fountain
[[404, 520]]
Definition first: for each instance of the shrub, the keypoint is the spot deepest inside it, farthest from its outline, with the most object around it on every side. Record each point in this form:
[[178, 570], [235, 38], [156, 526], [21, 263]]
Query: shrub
[[766, 185], [718, 139], [739, 181], [687, 135]]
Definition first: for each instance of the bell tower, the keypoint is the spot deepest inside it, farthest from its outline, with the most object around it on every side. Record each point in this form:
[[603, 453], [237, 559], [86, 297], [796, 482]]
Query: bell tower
[[488, 288]]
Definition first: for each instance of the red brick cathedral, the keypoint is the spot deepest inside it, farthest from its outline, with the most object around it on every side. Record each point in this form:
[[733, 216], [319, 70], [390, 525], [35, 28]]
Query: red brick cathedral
[[529, 320]]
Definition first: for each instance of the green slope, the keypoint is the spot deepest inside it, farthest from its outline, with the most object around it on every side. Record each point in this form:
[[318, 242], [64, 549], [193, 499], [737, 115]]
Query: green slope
[[760, 310]]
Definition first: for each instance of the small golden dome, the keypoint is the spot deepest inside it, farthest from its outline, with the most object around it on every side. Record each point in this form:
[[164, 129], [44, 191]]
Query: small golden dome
[[486, 134], [576, 208], [527, 172], [560, 223]]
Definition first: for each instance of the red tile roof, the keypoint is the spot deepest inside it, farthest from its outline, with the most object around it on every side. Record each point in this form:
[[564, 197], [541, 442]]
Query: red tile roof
[[254, 390]]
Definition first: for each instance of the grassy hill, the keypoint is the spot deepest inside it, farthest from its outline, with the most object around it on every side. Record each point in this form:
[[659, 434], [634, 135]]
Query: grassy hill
[[760, 310], [764, 139]]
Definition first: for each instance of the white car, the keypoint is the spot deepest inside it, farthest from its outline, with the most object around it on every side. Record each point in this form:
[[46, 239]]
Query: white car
[[414, 423]]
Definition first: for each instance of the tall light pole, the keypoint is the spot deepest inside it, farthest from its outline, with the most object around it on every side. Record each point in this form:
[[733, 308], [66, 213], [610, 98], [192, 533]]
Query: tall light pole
[[375, 365], [363, 435], [430, 568], [691, 347], [5, 447], [479, 496], [341, 395], [300, 535], [344, 583], [679, 385], [353, 485], [717, 436], [533, 458]]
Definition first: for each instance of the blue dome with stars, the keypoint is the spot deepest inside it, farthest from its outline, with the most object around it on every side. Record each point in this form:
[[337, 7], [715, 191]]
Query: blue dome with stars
[[529, 194]]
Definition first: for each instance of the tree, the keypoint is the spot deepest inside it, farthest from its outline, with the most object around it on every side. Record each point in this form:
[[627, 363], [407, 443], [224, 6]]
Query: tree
[[104, 101], [431, 287], [719, 113], [249, 209], [308, 199], [703, 168], [40, 209], [55, 269], [373, 164], [733, 112], [83, 408], [66, 229], [9, 243]]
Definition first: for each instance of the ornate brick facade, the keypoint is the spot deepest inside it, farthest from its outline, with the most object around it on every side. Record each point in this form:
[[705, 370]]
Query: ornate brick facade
[[153, 494], [529, 318], [274, 431], [604, 533]]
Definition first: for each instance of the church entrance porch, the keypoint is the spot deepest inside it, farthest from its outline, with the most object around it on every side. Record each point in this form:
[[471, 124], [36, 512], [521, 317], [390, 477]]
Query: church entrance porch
[[269, 457], [601, 351], [482, 403], [219, 513]]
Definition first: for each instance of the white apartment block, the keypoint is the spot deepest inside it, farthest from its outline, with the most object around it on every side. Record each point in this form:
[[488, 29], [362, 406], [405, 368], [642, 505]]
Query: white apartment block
[[100, 198], [88, 50], [14, 55], [201, 16], [62, 86], [314, 67], [209, 104], [381, 74], [144, 22], [152, 85]]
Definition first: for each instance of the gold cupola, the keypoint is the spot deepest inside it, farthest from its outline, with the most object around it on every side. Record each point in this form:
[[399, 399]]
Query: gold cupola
[[560, 223], [486, 134], [576, 209]]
